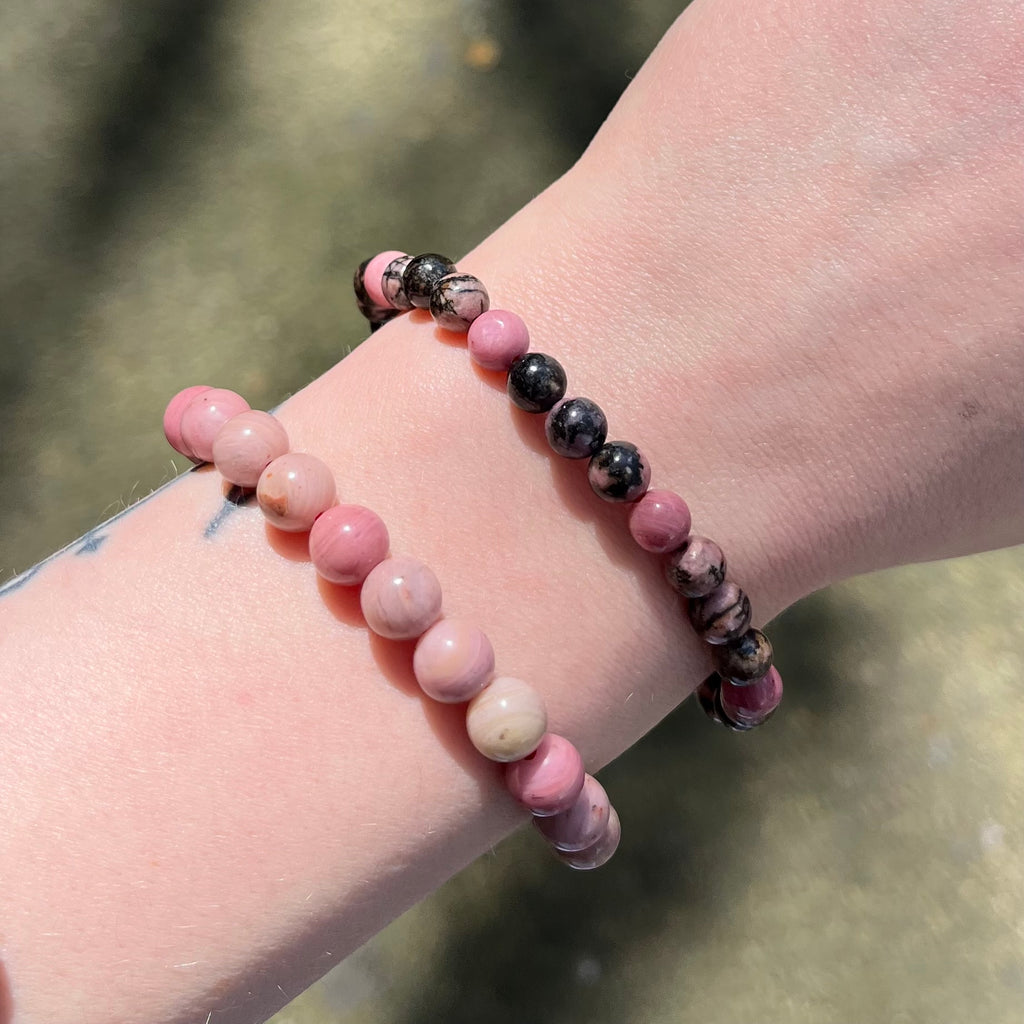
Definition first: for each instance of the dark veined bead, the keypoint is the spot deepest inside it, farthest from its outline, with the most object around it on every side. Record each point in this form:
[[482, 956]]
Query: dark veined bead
[[421, 274], [744, 659], [618, 472], [536, 382], [696, 567], [576, 428], [723, 615]]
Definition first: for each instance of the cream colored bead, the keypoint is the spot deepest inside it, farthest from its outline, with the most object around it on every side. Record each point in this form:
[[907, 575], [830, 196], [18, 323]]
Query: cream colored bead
[[507, 720]]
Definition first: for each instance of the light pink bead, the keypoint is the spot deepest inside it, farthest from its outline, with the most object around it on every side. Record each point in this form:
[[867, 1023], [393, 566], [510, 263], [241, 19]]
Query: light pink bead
[[246, 445], [582, 824], [374, 273], [346, 542], [601, 851], [550, 779], [497, 339], [400, 598], [172, 418], [660, 521], [506, 720], [203, 417], [453, 661], [293, 490]]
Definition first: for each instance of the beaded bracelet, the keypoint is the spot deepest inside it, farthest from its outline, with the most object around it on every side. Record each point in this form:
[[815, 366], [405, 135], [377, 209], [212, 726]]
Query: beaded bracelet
[[746, 687], [400, 598]]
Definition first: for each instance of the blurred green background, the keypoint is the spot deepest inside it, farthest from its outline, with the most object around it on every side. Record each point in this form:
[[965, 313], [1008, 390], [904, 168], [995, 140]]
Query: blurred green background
[[186, 188]]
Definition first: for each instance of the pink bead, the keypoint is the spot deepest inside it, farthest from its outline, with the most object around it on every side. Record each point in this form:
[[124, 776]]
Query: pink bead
[[601, 851], [550, 779], [753, 703], [203, 417], [453, 661], [375, 272], [400, 598], [246, 445], [660, 521], [582, 824], [497, 339], [172, 418], [293, 490], [346, 542]]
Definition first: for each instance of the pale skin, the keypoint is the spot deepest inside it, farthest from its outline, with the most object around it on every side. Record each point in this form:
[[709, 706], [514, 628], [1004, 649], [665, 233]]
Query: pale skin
[[789, 267]]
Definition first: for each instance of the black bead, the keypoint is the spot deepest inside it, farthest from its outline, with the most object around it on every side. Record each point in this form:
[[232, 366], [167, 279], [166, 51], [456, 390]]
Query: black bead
[[721, 616], [422, 273], [576, 428], [536, 382], [744, 659], [618, 472], [707, 694]]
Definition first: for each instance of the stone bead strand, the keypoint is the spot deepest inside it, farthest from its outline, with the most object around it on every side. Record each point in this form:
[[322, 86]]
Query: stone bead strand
[[746, 688], [401, 599]]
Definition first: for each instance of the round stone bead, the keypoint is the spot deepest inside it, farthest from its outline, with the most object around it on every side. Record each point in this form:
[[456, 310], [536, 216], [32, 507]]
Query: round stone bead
[[346, 542], [421, 274], [600, 852], [373, 276], [401, 598], [453, 661], [660, 521], [393, 283], [549, 780], [172, 418], [744, 659], [507, 720], [582, 824], [203, 417], [752, 704], [618, 472], [293, 490], [707, 696], [497, 339], [457, 300], [536, 382], [246, 445], [696, 567], [723, 615], [576, 428]]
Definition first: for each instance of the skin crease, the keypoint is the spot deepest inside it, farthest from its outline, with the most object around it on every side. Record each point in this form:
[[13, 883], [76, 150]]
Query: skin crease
[[789, 267]]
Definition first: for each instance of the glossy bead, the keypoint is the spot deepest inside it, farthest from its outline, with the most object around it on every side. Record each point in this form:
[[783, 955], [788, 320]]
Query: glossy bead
[[373, 276], [457, 300], [346, 542], [401, 598], [453, 661], [707, 696], [696, 567], [246, 445], [752, 704], [723, 615], [172, 418], [393, 283], [744, 659], [618, 472], [660, 521], [600, 852], [576, 428], [293, 490], [421, 274], [203, 417], [506, 720], [536, 382], [549, 780], [582, 824], [497, 338]]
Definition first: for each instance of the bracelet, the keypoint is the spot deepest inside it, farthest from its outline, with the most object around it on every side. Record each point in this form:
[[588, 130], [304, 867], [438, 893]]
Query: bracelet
[[746, 687], [401, 599]]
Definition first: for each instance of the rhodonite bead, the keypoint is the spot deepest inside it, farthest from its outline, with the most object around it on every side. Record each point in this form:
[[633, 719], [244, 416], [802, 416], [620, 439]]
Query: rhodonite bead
[[246, 445], [497, 338], [536, 382], [618, 472], [660, 521], [752, 704], [373, 276], [421, 274], [599, 853], [582, 824], [453, 661], [293, 490], [744, 659], [346, 542], [722, 615], [576, 428], [203, 417], [172, 418], [550, 779], [401, 598], [696, 567], [457, 300], [393, 283], [506, 720], [707, 696]]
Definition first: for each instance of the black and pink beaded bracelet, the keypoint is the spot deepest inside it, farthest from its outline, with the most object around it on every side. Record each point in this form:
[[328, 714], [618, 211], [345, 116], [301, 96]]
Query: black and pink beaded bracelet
[[746, 687]]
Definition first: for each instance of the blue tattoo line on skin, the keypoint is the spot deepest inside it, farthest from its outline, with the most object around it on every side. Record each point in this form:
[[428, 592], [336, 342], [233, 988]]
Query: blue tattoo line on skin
[[235, 499], [17, 582], [91, 542]]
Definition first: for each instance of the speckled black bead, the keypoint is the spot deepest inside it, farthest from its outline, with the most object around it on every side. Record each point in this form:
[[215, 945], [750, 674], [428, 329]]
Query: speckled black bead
[[744, 659], [723, 615], [422, 273], [536, 382], [618, 472], [576, 428]]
